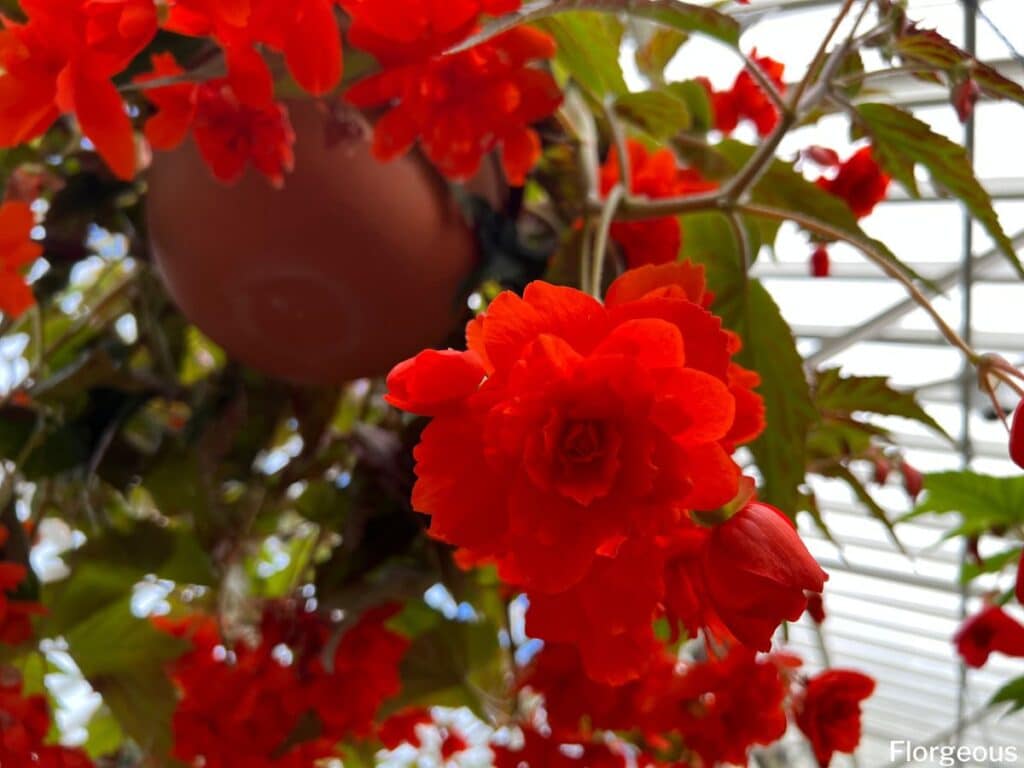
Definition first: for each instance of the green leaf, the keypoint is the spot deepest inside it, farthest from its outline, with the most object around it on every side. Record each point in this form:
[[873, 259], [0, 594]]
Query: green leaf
[[983, 502], [657, 113], [143, 701], [836, 393], [588, 48], [902, 142], [676, 14], [661, 47], [105, 734], [874, 509], [991, 564], [1012, 692], [697, 101], [114, 640], [768, 348], [929, 47]]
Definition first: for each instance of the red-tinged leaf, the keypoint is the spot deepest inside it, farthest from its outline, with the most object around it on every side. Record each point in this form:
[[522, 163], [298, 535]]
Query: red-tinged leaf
[[902, 142]]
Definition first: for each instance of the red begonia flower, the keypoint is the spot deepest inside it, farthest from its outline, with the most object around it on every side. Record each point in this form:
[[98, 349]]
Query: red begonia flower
[[816, 608], [746, 100], [17, 251], [740, 704], [860, 182], [991, 631], [229, 132], [243, 711], [828, 713], [741, 578], [61, 61], [462, 106], [400, 728], [653, 175]]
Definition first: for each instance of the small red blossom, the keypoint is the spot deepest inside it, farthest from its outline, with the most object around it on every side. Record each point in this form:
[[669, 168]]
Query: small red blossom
[[402, 31], [964, 96], [653, 175], [462, 106], [1016, 443], [61, 61], [823, 156], [17, 251], [991, 631], [860, 182], [913, 480], [829, 714], [746, 100], [229, 132], [401, 727], [820, 263]]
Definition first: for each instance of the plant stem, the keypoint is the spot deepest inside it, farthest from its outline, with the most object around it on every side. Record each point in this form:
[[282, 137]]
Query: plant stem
[[798, 92], [615, 197]]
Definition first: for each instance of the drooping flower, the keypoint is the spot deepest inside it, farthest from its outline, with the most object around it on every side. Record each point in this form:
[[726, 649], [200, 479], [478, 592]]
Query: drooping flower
[[17, 251], [746, 99], [992, 630], [829, 713], [746, 575], [229, 132], [654, 175], [860, 182], [61, 61], [462, 106], [820, 263], [816, 608]]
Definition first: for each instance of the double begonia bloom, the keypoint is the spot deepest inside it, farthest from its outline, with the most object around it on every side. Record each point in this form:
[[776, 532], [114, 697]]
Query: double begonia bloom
[[653, 175], [465, 105], [860, 182], [586, 423], [829, 711], [61, 61], [991, 631], [17, 252]]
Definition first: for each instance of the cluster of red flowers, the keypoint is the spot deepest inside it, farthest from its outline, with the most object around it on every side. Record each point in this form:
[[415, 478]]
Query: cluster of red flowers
[[251, 706], [858, 181], [746, 99], [654, 175], [714, 710], [24, 727], [459, 106], [17, 251], [61, 61], [596, 430]]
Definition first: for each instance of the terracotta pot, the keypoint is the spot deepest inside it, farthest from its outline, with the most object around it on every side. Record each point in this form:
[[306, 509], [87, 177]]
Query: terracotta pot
[[352, 267]]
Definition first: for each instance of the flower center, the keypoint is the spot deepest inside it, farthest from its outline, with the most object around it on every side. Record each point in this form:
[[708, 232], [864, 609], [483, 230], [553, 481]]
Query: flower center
[[582, 442]]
